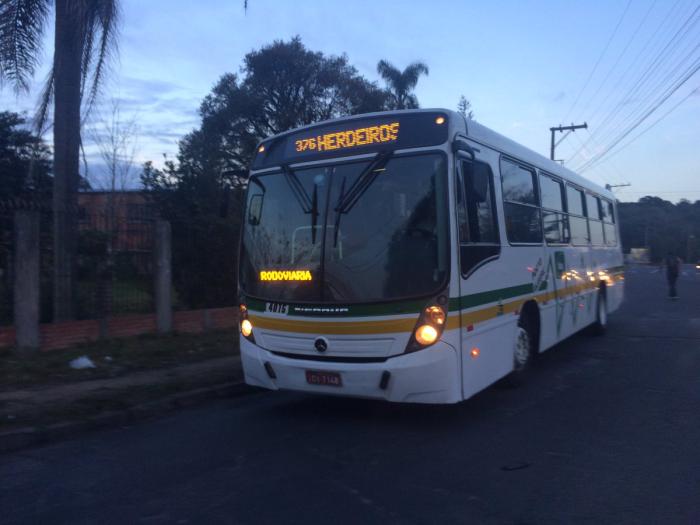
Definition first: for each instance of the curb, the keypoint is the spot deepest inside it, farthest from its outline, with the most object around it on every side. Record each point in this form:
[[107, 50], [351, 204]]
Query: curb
[[26, 437]]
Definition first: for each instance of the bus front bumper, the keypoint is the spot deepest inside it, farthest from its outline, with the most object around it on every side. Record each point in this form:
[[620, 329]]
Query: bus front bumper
[[431, 375]]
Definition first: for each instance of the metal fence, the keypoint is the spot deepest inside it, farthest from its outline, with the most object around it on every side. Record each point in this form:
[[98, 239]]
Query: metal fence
[[114, 262], [114, 265]]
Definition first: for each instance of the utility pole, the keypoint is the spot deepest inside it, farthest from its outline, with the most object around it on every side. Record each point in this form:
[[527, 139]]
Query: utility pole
[[561, 129]]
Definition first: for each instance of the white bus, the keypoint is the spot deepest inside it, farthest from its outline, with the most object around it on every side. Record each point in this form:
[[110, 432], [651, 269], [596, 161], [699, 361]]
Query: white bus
[[415, 256]]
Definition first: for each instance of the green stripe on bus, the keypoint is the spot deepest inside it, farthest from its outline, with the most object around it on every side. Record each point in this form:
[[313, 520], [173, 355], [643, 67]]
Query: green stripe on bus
[[492, 296]]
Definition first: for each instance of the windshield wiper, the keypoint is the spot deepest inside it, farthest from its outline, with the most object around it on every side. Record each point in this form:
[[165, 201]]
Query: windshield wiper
[[297, 189], [346, 201], [306, 204], [336, 226], [314, 214]]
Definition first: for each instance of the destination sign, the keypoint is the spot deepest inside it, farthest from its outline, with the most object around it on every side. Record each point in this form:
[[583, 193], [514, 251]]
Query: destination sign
[[354, 136], [351, 138], [285, 275]]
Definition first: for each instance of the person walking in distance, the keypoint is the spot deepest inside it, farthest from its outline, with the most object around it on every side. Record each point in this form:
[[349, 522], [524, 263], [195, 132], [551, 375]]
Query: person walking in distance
[[673, 266]]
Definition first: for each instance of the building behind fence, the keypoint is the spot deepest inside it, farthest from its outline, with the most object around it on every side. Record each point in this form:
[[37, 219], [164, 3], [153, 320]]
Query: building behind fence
[[116, 273]]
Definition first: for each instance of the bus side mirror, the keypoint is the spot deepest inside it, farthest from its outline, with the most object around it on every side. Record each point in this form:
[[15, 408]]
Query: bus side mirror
[[462, 145]]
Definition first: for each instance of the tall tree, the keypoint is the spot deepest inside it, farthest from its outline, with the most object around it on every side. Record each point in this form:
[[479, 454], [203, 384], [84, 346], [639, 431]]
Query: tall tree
[[465, 108], [25, 161], [281, 86], [402, 83], [85, 34]]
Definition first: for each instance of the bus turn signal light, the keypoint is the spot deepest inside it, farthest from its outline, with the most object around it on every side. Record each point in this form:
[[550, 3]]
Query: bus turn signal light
[[436, 315], [426, 334]]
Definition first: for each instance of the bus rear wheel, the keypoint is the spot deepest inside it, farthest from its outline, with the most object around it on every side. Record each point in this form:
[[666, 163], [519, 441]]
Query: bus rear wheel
[[523, 351], [601, 317]]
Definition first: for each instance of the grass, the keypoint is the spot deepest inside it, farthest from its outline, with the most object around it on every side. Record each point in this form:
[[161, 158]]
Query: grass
[[114, 358], [127, 297]]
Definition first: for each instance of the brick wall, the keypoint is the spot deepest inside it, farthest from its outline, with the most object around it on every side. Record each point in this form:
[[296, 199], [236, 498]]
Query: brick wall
[[55, 336]]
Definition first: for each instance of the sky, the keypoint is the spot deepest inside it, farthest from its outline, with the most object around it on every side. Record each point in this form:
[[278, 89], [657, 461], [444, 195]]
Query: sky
[[525, 67]]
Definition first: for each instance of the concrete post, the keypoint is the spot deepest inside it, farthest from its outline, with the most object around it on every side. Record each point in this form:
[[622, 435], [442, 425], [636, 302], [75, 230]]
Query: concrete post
[[163, 277], [26, 287]]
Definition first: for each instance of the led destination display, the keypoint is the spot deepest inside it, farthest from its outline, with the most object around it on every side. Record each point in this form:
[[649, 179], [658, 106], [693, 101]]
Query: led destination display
[[354, 136], [351, 138]]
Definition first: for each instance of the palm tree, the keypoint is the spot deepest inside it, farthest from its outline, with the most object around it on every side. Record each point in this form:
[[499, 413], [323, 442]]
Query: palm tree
[[402, 83], [85, 35]]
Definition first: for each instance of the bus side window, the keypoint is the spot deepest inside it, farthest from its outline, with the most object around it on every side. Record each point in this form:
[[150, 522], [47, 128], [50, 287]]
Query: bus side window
[[554, 218], [520, 204], [478, 228], [595, 226], [577, 217], [609, 223]]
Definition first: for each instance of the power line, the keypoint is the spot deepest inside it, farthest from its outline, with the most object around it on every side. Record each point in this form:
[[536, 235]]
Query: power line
[[662, 117], [661, 56], [648, 92], [690, 73], [638, 116], [641, 52], [612, 173], [652, 90], [602, 54], [619, 57], [661, 192], [639, 121]]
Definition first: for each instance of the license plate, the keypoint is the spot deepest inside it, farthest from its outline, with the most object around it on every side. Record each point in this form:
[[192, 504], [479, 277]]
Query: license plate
[[318, 377]]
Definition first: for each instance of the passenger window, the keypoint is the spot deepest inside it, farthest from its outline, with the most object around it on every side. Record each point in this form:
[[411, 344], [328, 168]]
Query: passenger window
[[518, 183], [593, 207], [520, 204], [556, 223], [577, 220], [609, 222], [574, 200], [608, 214], [595, 226], [478, 228], [551, 191]]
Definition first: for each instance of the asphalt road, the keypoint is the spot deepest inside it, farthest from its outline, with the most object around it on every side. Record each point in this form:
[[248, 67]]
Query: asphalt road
[[607, 430]]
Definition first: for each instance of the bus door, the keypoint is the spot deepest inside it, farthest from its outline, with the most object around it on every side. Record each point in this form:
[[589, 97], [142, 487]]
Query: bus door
[[479, 251]]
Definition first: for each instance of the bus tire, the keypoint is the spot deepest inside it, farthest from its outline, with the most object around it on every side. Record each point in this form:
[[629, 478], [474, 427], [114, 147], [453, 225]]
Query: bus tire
[[524, 350], [601, 313]]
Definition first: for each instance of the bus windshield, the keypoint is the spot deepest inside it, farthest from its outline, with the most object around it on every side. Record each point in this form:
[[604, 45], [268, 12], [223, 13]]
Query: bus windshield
[[362, 231]]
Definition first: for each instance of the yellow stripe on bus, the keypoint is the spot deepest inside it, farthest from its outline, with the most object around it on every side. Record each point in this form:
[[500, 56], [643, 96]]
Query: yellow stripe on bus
[[389, 326]]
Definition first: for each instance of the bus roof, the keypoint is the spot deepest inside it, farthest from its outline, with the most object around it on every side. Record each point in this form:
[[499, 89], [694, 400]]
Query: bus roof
[[483, 135], [488, 137]]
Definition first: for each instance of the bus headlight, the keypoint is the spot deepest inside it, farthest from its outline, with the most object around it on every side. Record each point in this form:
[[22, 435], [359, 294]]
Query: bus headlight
[[426, 334], [246, 325], [429, 327], [246, 328]]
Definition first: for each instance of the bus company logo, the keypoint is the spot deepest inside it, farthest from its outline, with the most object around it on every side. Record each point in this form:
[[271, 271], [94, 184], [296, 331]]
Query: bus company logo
[[321, 344], [285, 275], [350, 139]]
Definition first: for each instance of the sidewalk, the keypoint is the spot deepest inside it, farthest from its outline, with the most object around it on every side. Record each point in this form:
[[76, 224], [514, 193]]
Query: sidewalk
[[35, 415]]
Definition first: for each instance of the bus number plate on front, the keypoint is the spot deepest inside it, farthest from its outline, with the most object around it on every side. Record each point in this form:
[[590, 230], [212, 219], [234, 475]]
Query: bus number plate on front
[[321, 378]]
